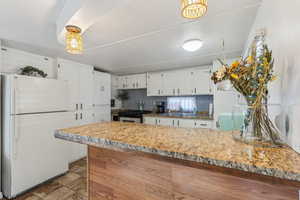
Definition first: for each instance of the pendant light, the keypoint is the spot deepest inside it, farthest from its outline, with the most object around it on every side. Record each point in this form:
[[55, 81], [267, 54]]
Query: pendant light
[[193, 9], [73, 40]]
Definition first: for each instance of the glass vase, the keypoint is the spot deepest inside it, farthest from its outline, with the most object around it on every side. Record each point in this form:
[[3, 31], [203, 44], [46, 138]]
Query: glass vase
[[256, 126]]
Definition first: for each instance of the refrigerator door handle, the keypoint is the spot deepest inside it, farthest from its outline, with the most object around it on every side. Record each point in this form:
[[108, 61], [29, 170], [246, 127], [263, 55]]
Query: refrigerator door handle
[[16, 138]]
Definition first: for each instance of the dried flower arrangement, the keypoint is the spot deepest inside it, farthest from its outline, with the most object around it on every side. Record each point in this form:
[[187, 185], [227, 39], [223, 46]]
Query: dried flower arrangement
[[250, 77]]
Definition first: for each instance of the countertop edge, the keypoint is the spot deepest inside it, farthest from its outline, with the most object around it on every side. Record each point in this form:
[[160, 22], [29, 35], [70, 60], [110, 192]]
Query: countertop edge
[[199, 117], [114, 145]]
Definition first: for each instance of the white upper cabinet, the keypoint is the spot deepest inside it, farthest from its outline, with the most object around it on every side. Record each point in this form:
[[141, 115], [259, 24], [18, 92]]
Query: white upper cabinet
[[199, 81], [195, 81], [171, 85], [137, 81], [86, 89], [66, 71], [102, 88], [155, 84], [80, 80]]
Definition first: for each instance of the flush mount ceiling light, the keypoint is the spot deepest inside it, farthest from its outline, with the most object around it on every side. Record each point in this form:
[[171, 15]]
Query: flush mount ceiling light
[[73, 40], [192, 45], [193, 9]]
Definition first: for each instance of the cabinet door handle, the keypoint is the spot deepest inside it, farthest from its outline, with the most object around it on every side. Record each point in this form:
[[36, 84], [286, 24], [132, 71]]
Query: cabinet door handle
[[173, 122], [203, 124], [195, 124], [155, 121], [76, 106], [178, 123], [134, 85], [178, 91], [80, 115], [195, 90], [76, 116], [81, 106], [174, 91], [158, 91]]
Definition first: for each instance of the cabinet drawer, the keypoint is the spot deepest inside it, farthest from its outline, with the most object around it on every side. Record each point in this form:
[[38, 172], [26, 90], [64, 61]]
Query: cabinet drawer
[[203, 124], [150, 120]]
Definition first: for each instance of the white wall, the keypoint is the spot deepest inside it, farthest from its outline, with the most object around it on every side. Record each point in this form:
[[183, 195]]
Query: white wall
[[281, 20]]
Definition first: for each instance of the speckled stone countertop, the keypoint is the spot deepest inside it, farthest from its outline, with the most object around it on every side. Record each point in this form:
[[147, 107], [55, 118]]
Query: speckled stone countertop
[[195, 117], [198, 145]]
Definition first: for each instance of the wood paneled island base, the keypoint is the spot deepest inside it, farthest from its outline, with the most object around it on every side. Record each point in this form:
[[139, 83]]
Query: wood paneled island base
[[131, 175]]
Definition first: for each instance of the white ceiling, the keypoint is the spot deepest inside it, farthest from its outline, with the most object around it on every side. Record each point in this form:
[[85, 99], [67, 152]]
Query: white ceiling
[[136, 36]]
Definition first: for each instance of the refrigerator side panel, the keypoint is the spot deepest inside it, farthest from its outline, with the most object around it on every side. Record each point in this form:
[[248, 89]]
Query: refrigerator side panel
[[7, 132]]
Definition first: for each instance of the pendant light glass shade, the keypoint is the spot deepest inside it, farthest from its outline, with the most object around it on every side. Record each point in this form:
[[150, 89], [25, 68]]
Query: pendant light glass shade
[[193, 9], [73, 40]]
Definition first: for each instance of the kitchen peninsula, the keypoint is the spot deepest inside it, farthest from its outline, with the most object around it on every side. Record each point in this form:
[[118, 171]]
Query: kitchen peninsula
[[139, 162]]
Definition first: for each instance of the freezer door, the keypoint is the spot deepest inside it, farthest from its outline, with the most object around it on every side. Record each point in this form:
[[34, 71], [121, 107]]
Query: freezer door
[[36, 95], [32, 153]]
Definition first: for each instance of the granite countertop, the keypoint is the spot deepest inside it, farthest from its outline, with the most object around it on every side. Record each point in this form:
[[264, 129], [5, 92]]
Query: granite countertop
[[181, 116], [199, 145]]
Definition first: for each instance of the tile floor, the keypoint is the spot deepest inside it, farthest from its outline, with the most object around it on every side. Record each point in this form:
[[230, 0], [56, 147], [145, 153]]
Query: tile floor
[[71, 186]]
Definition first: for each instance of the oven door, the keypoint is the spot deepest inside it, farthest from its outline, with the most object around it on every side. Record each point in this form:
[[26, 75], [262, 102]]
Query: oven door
[[130, 119]]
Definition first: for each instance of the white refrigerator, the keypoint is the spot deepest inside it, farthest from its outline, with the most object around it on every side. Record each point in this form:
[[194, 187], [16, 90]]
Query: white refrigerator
[[33, 108], [102, 96]]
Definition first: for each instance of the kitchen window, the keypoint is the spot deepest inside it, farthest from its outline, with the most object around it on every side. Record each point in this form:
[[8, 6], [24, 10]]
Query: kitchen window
[[182, 104]]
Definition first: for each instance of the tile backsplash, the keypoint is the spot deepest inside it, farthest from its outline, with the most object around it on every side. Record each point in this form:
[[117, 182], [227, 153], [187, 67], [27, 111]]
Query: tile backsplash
[[135, 96]]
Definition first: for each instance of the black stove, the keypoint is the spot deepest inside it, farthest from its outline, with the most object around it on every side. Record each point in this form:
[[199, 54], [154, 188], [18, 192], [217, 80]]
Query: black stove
[[132, 115]]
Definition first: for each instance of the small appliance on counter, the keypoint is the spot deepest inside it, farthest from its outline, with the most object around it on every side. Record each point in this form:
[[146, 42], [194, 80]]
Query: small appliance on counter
[[160, 107], [112, 103]]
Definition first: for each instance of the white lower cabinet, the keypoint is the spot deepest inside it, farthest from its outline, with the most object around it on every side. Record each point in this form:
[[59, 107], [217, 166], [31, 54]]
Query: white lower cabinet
[[187, 123], [178, 123], [150, 120], [79, 151], [203, 124], [165, 122]]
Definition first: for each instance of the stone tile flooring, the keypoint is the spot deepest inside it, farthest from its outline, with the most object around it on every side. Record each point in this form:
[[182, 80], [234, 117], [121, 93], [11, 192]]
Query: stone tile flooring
[[71, 186]]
